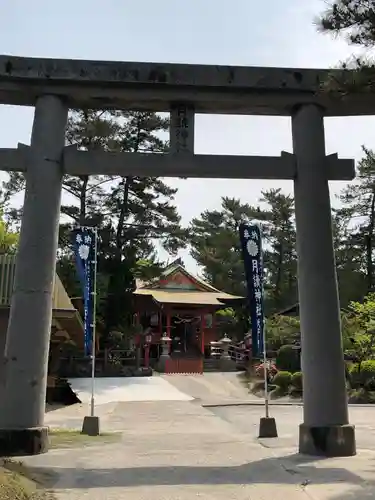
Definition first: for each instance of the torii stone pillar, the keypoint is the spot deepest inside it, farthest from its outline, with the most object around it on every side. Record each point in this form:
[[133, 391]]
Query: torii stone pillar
[[22, 430], [325, 429]]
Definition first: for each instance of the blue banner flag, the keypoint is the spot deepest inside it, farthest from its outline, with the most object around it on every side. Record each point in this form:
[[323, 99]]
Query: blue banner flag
[[251, 243], [84, 247]]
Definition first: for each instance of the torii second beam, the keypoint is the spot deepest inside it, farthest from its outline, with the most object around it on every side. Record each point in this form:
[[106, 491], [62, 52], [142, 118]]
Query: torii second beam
[[76, 162]]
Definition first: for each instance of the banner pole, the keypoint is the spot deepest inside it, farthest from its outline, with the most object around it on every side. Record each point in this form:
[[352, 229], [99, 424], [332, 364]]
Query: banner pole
[[93, 342], [252, 249], [266, 399], [265, 363]]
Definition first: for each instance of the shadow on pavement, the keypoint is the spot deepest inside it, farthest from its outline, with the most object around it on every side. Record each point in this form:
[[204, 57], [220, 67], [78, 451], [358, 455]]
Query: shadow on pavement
[[290, 469]]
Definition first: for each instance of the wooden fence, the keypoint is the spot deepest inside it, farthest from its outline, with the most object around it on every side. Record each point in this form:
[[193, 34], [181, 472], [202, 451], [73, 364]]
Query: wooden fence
[[184, 366]]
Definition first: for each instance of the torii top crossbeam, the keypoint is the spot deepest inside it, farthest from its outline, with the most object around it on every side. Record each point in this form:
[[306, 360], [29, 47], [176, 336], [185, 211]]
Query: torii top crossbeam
[[154, 86]]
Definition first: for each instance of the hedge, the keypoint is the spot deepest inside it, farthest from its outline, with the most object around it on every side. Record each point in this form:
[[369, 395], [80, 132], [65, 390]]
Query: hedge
[[282, 379]]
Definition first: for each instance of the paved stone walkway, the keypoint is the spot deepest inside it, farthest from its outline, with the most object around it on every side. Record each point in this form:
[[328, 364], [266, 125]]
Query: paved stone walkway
[[180, 451], [212, 388], [109, 390]]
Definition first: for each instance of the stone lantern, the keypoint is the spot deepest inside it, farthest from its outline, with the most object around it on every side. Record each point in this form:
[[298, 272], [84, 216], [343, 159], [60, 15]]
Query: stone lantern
[[164, 357], [226, 362], [225, 343], [165, 343]]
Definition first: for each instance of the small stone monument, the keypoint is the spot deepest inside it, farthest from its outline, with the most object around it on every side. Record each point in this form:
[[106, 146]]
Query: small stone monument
[[164, 357], [226, 362]]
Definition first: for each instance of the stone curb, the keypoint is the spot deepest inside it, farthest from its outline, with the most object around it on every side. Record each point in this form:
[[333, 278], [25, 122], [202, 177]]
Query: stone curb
[[272, 403]]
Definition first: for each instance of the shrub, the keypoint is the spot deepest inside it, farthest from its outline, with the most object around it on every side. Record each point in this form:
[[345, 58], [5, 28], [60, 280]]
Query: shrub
[[278, 392], [361, 396], [283, 380], [363, 374], [297, 381], [288, 359]]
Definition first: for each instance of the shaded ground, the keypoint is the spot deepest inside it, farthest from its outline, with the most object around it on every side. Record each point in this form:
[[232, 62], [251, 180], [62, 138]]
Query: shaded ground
[[18, 483], [179, 449], [184, 451]]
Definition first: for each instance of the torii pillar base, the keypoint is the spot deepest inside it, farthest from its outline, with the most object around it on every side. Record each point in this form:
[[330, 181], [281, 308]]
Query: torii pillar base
[[23, 442], [329, 441]]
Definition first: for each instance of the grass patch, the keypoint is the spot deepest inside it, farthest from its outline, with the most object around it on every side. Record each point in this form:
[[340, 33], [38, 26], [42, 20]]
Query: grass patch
[[67, 438], [17, 483]]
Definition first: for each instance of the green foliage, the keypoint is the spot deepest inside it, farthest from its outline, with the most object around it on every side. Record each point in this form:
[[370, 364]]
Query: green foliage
[[355, 20], [361, 396], [282, 379], [280, 258], [288, 359], [147, 269], [228, 312], [296, 381], [135, 216], [281, 330], [277, 392], [216, 247], [355, 238], [363, 374], [8, 238], [360, 328]]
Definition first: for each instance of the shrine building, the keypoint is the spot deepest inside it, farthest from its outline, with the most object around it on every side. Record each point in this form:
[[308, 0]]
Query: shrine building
[[182, 307]]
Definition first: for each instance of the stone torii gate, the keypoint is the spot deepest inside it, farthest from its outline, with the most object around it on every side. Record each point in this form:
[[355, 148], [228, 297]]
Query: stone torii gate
[[54, 86]]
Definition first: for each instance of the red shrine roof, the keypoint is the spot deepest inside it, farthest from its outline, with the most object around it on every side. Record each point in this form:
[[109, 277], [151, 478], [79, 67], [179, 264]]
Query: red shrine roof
[[177, 286]]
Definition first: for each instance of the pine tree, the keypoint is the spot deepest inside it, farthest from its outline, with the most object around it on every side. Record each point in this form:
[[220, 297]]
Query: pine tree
[[355, 20], [280, 259], [215, 244], [355, 244], [140, 215], [134, 215], [216, 247]]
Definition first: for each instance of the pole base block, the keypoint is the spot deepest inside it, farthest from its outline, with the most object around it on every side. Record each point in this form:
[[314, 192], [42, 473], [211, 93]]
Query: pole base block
[[23, 442], [91, 426], [327, 441], [267, 428]]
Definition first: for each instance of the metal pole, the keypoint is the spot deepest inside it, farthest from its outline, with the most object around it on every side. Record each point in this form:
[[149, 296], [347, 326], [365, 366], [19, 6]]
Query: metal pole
[[94, 325], [266, 402], [265, 367]]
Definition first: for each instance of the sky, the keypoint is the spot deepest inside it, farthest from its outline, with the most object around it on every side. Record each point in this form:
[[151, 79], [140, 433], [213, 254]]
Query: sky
[[236, 32]]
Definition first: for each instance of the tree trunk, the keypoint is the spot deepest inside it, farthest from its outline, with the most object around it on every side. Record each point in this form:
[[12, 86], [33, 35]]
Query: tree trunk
[[118, 299], [83, 200]]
